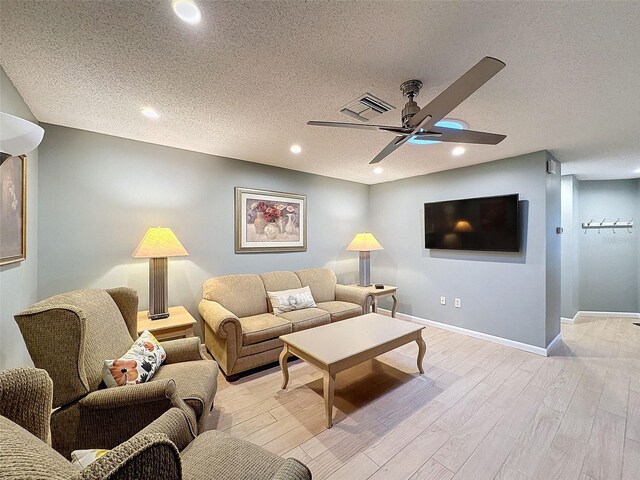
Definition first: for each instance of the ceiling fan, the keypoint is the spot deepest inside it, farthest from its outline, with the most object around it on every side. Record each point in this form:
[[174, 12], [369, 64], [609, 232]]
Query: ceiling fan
[[420, 123]]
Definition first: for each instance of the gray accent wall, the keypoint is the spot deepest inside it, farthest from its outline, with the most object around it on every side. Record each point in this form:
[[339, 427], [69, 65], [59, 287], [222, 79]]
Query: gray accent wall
[[18, 282], [509, 295], [570, 248], [609, 263], [99, 194]]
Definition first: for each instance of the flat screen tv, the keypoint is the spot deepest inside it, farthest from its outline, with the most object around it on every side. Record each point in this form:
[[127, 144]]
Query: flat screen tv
[[488, 224]]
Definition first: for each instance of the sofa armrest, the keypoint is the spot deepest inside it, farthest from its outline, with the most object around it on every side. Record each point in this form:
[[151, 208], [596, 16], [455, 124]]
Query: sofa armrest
[[362, 297], [174, 423], [25, 398], [182, 350], [127, 301], [143, 456], [292, 469], [217, 317]]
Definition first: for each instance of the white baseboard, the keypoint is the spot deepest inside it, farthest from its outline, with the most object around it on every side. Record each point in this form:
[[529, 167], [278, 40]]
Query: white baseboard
[[584, 315], [482, 336], [570, 321]]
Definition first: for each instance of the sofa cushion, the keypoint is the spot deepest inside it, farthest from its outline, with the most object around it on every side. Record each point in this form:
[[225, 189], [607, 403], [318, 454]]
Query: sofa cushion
[[322, 282], [276, 281], [341, 310], [258, 328], [242, 295], [23, 456], [196, 382], [306, 318]]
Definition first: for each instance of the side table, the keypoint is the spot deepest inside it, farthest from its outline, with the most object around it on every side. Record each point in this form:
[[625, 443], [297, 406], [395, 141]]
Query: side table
[[179, 323], [377, 293]]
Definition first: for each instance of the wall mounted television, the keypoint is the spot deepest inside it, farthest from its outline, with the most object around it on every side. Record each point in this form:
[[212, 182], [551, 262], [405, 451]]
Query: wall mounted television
[[489, 224]]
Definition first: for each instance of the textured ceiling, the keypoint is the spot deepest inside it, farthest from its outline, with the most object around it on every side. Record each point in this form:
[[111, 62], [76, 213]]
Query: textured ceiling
[[245, 80]]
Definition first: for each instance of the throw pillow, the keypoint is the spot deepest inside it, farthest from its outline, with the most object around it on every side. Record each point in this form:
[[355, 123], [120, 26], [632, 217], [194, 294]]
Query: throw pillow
[[288, 300], [138, 365], [84, 458]]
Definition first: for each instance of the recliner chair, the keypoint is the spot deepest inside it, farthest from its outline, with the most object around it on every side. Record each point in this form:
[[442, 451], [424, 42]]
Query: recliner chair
[[71, 334]]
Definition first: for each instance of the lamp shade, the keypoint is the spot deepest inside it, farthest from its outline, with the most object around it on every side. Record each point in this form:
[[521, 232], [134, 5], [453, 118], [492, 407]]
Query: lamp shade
[[159, 242], [364, 242], [18, 136]]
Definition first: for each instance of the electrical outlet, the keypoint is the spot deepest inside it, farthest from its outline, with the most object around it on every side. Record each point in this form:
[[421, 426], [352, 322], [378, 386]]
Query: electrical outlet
[[456, 303], [443, 300]]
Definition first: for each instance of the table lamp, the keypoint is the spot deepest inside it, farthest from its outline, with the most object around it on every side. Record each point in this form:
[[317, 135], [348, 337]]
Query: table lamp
[[365, 243], [156, 245]]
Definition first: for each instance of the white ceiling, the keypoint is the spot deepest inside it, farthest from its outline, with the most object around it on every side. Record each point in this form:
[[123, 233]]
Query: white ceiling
[[244, 81]]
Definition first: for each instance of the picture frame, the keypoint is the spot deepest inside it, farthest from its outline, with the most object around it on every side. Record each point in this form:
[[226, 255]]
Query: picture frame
[[268, 221], [13, 210]]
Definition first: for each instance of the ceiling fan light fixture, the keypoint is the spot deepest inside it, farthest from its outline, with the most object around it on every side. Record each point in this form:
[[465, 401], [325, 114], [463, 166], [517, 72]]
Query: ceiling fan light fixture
[[187, 11], [446, 123], [456, 152], [378, 170], [296, 149]]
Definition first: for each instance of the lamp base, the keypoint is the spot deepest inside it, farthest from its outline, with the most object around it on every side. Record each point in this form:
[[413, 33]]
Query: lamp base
[[365, 271], [158, 291]]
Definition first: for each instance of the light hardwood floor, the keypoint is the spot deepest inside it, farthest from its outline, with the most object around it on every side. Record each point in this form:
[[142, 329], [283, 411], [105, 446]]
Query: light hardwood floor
[[480, 411]]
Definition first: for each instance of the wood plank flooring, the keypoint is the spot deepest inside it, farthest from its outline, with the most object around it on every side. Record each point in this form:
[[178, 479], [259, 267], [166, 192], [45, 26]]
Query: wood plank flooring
[[480, 411]]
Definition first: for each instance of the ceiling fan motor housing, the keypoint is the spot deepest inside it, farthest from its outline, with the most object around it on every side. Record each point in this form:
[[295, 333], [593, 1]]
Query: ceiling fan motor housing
[[410, 89]]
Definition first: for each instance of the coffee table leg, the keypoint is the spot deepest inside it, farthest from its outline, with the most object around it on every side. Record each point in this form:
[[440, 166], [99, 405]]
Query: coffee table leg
[[284, 367], [328, 382], [422, 349]]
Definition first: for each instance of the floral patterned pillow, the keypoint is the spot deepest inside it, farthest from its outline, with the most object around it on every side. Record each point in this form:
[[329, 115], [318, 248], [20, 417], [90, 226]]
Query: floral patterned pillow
[[83, 458], [138, 365]]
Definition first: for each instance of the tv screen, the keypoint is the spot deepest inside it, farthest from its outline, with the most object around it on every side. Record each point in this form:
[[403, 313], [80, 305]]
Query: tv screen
[[483, 224]]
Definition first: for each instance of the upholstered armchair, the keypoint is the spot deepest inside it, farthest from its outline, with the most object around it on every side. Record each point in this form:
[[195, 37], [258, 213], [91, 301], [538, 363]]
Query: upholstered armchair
[[70, 335], [25, 403]]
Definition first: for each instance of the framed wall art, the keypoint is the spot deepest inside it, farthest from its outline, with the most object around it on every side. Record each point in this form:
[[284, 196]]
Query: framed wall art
[[269, 221], [13, 210]]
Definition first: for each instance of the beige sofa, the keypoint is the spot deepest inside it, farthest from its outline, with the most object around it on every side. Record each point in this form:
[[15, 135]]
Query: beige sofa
[[241, 331]]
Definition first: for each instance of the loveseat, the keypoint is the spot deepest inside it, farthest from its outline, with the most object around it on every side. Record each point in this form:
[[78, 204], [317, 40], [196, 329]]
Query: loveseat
[[240, 329]]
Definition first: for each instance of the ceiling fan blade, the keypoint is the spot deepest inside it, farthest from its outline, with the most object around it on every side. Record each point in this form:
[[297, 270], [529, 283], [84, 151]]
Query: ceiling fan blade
[[364, 126], [457, 92], [462, 136], [389, 149]]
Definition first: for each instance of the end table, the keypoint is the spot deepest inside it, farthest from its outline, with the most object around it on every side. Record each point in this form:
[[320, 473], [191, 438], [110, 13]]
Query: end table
[[179, 323], [377, 293]]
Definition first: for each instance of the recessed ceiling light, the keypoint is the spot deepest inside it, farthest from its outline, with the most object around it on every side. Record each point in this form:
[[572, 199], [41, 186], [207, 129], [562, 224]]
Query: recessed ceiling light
[[446, 123], [149, 113], [458, 151], [378, 170], [637, 170], [295, 149], [187, 11]]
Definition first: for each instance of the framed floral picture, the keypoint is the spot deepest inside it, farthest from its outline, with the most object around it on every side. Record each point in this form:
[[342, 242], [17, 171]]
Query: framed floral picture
[[270, 221], [13, 209]]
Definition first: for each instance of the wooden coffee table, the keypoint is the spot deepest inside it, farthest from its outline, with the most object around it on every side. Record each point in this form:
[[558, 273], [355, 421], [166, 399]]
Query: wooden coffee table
[[337, 346]]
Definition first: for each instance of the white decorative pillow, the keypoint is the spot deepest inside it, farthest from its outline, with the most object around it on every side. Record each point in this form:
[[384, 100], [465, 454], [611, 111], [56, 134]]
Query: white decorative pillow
[[138, 365], [84, 458], [288, 300]]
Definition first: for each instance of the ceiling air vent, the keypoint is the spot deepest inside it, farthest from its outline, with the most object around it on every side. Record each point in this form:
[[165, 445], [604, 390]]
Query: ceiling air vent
[[365, 107]]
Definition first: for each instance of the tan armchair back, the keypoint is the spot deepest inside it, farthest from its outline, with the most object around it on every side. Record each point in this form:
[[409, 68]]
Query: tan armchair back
[[70, 335]]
